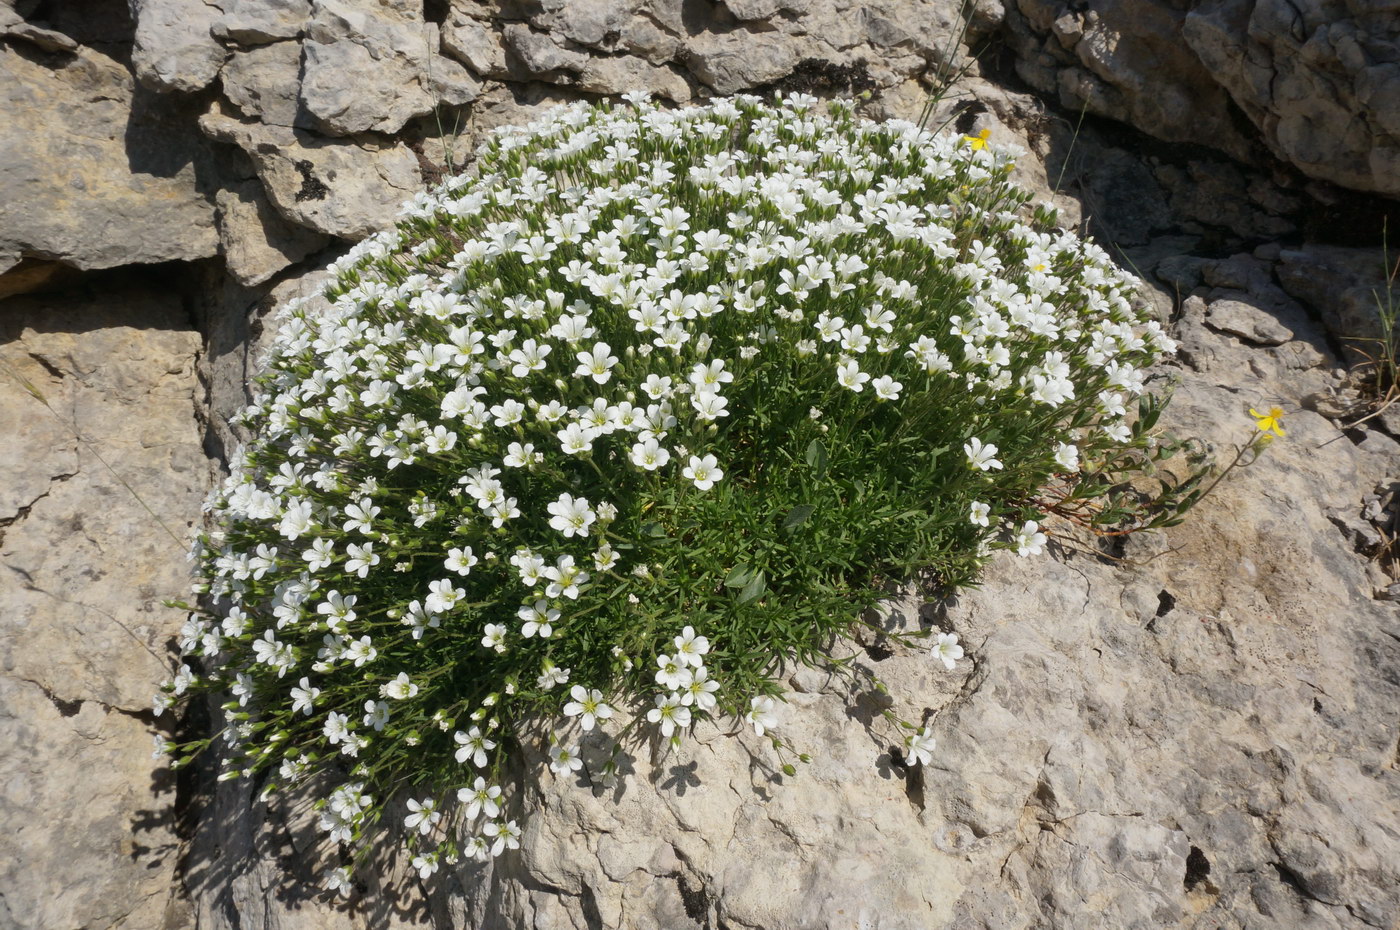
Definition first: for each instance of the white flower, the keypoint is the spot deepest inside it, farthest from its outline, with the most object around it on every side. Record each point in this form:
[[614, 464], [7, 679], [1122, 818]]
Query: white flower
[[762, 714], [423, 815], [710, 375], [1067, 456], [886, 388], [596, 363], [506, 836], [571, 516], [565, 578], [657, 387], [480, 798], [320, 555], [304, 697], [443, 596], [946, 647], [670, 713], [338, 881], [978, 513], [495, 637], [425, 864], [709, 406], [979, 456], [361, 559], [539, 619], [1029, 540], [564, 762], [361, 651], [703, 471], [604, 557], [690, 648], [551, 676], [701, 690], [521, 456], [376, 715], [575, 439], [650, 455], [674, 673], [849, 376], [336, 728], [296, 520], [919, 747], [588, 706], [472, 745], [460, 560], [529, 357], [400, 688], [1118, 432]]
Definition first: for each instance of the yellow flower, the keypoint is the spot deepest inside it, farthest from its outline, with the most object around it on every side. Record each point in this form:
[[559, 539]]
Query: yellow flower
[[978, 141], [1270, 422]]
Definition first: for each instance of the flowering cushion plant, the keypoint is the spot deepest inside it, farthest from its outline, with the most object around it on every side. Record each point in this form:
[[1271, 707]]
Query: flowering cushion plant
[[602, 436]]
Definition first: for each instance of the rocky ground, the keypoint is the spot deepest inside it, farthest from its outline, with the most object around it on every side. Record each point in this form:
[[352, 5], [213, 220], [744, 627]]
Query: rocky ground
[[1197, 730]]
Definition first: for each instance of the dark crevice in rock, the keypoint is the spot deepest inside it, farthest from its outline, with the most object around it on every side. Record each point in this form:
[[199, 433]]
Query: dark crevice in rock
[[23, 512], [1166, 603], [914, 787], [877, 650], [592, 917], [73, 707], [47, 365], [1197, 868], [1325, 213], [65, 708], [312, 188], [695, 900], [435, 11], [817, 76], [103, 24]]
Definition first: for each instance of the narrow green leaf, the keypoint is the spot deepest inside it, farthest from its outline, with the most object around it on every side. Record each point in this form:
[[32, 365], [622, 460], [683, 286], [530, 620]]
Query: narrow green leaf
[[738, 575], [754, 589], [798, 516]]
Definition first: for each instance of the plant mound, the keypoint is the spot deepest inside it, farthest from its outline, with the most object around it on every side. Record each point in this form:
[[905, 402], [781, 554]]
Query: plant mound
[[600, 437]]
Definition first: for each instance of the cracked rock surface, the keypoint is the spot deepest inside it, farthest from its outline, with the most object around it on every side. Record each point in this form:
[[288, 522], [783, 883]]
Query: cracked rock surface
[[84, 568]]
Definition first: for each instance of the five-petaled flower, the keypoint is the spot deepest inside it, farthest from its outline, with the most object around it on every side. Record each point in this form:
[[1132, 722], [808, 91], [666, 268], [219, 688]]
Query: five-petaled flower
[[1271, 422]]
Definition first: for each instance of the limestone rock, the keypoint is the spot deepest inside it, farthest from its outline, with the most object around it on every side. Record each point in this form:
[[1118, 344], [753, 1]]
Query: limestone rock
[[594, 23], [1319, 80], [262, 82], [175, 47], [733, 61], [540, 54], [339, 187], [256, 242], [1346, 285], [393, 55], [476, 44], [763, 9], [513, 104], [254, 22], [1248, 322], [619, 75], [13, 26], [118, 186], [84, 569]]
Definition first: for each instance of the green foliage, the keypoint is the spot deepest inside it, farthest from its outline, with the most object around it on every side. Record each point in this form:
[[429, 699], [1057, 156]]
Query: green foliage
[[881, 362]]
